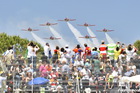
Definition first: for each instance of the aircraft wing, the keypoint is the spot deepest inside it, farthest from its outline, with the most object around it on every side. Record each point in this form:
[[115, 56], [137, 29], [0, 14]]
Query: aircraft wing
[[92, 37], [53, 23], [91, 25], [57, 38], [110, 30], [80, 25], [61, 20], [24, 30], [35, 30], [46, 38], [72, 19], [42, 24], [99, 30]]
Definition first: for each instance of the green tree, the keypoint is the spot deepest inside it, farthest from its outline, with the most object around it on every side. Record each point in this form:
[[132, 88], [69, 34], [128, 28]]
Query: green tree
[[137, 45], [8, 41]]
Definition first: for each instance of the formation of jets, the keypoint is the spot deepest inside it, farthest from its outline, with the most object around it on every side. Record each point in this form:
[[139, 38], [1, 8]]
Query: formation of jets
[[87, 37], [52, 38], [66, 20]]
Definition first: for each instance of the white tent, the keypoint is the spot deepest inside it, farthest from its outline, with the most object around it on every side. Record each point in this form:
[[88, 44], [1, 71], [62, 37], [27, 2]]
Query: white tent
[[135, 79]]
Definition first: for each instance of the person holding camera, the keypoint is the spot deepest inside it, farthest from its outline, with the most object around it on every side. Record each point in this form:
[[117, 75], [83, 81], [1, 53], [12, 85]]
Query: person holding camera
[[32, 49]]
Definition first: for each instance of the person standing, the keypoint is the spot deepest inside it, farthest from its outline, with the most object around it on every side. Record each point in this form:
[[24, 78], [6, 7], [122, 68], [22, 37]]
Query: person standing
[[87, 54], [69, 53], [103, 51], [117, 52], [129, 51], [9, 57], [47, 50], [32, 49]]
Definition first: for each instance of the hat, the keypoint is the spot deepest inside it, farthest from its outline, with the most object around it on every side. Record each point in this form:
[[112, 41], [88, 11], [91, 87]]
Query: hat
[[93, 47], [66, 45], [1, 72], [87, 59]]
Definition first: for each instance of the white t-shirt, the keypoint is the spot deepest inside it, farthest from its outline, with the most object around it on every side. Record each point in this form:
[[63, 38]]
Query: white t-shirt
[[129, 54], [31, 52], [46, 50], [77, 63], [68, 52], [85, 73]]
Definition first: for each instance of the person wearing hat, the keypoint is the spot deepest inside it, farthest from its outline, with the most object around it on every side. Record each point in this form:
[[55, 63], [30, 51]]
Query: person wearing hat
[[69, 53], [103, 51]]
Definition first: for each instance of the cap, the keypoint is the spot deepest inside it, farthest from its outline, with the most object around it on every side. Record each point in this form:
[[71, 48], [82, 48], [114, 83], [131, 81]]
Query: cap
[[87, 59], [66, 45], [93, 47]]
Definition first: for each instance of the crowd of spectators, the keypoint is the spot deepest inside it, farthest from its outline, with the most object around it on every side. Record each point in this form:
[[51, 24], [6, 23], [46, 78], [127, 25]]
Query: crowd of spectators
[[72, 70]]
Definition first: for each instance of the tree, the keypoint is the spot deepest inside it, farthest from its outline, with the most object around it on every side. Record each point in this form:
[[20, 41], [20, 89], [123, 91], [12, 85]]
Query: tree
[[21, 44], [137, 45]]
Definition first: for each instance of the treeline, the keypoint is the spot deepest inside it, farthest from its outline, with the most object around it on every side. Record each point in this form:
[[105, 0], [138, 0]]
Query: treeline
[[20, 44]]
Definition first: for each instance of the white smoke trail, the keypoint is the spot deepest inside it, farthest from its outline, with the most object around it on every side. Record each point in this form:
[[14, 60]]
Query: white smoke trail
[[57, 35], [89, 42], [38, 39], [41, 41], [77, 34], [95, 40], [109, 39]]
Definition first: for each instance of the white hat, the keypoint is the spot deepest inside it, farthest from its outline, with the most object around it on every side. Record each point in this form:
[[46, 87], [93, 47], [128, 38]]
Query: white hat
[[66, 45]]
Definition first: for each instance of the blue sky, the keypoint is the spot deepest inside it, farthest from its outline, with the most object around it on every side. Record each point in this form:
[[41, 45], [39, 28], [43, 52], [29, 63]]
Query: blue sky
[[123, 16]]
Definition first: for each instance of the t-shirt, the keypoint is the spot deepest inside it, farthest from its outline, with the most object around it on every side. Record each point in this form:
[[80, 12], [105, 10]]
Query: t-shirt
[[32, 51], [46, 50], [88, 51], [116, 54]]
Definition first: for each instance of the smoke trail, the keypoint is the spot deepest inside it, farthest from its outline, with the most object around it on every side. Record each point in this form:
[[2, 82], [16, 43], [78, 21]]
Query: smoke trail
[[77, 34], [109, 39], [41, 41], [38, 39], [89, 42], [95, 40], [56, 34]]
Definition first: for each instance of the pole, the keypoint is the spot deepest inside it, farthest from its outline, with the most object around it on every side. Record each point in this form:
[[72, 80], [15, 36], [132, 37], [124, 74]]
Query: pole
[[32, 74]]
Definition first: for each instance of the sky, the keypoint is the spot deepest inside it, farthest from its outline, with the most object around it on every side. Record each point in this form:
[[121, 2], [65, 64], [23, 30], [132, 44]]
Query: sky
[[122, 16]]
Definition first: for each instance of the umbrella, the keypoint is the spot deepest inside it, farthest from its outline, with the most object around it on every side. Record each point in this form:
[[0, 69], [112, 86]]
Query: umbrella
[[38, 81]]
